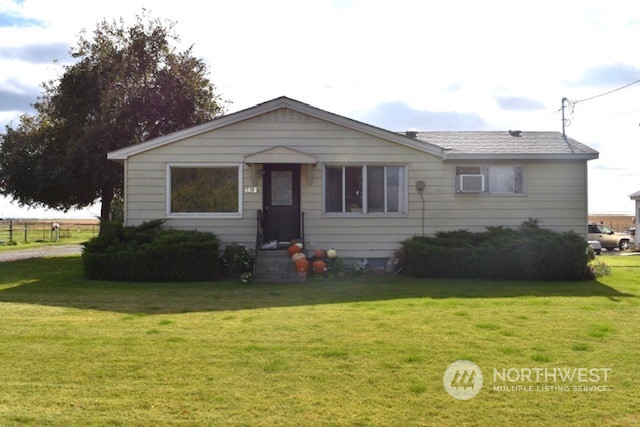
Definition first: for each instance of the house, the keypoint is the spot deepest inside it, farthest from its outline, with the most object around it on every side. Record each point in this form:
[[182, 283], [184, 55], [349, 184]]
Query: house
[[284, 169]]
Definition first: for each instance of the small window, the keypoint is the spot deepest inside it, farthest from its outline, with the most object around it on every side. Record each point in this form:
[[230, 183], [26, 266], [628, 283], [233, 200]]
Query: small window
[[368, 189], [490, 179], [505, 180], [204, 190], [603, 229]]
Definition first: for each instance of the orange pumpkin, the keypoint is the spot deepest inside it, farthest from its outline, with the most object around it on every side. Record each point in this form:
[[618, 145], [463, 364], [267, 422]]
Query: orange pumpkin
[[319, 253], [293, 249], [302, 265], [319, 266]]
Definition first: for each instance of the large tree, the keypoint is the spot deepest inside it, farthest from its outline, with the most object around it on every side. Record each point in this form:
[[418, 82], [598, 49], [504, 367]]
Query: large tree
[[128, 84]]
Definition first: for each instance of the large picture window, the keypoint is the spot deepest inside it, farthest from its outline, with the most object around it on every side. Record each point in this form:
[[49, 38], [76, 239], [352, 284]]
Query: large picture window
[[490, 179], [204, 190], [368, 189]]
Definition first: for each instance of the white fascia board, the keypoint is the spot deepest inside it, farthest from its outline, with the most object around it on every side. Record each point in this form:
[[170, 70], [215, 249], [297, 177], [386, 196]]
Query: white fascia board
[[522, 156]]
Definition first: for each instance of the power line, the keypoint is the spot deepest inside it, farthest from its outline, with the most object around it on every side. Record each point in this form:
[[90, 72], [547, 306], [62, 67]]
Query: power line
[[607, 93], [572, 104]]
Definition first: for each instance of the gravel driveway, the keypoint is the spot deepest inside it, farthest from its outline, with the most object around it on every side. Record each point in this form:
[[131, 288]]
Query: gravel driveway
[[43, 251]]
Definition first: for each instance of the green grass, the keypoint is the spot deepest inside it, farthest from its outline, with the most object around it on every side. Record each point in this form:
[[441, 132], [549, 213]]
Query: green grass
[[366, 351]]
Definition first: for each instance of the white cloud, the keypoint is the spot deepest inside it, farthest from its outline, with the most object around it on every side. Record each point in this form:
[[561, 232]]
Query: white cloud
[[352, 56]]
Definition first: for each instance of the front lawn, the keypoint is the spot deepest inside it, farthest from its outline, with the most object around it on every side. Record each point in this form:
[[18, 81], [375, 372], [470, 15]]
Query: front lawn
[[366, 351]]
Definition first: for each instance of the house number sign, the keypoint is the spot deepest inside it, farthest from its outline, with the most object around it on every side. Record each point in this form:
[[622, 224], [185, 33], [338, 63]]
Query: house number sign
[[281, 188], [248, 189]]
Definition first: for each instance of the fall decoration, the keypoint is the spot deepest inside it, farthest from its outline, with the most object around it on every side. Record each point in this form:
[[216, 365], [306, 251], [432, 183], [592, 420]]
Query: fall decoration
[[298, 256], [293, 249], [319, 266], [302, 265]]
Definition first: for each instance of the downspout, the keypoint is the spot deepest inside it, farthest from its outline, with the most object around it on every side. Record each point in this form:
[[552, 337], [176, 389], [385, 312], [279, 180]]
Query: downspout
[[420, 187]]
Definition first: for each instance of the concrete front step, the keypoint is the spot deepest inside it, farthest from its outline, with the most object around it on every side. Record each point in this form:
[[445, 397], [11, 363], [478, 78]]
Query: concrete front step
[[276, 266]]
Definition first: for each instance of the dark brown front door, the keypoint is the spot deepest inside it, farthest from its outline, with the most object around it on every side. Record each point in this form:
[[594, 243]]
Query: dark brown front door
[[281, 200]]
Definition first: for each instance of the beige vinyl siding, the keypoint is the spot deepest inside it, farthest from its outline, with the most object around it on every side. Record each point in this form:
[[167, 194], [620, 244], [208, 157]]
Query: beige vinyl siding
[[556, 192], [555, 195]]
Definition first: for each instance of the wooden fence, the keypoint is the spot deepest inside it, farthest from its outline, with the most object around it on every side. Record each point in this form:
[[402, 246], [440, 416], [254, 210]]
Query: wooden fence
[[30, 231]]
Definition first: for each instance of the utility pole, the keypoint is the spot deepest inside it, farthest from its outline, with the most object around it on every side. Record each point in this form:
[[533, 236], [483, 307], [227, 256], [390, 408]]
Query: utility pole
[[563, 120]]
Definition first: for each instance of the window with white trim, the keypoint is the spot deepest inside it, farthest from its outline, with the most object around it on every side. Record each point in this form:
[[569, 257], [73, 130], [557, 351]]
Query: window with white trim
[[492, 179], [204, 190], [369, 189]]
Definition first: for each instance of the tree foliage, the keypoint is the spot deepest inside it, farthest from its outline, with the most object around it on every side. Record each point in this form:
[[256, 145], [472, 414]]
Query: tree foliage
[[128, 84]]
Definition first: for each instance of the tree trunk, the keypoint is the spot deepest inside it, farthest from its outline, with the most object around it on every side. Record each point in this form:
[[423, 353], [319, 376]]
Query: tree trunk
[[105, 211]]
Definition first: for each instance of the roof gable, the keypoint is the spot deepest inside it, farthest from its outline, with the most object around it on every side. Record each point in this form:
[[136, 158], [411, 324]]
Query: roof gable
[[267, 107]]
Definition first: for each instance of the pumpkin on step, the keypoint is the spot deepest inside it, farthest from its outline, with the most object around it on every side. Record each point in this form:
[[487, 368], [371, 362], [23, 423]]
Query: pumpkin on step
[[293, 249], [331, 253], [302, 265], [319, 253]]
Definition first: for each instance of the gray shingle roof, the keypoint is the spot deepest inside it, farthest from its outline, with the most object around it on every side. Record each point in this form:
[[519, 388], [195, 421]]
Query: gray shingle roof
[[635, 195], [505, 144]]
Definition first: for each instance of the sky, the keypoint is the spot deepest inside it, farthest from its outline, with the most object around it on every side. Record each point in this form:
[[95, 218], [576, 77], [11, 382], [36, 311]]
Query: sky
[[423, 65]]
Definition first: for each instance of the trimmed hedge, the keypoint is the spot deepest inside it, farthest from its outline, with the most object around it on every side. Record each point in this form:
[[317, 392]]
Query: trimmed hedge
[[148, 253], [528, 253]]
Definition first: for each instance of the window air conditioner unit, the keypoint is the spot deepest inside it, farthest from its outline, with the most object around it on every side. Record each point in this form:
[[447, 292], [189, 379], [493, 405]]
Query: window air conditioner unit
[[471, 183]]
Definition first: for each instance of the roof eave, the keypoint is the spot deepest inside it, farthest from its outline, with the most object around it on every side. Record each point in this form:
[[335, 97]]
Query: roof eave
[[520, 156]]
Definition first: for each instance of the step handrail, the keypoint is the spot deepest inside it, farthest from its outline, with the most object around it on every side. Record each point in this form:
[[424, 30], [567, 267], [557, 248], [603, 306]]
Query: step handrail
[[259, 238]]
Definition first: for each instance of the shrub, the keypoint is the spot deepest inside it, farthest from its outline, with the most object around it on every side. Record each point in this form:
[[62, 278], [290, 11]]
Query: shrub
[[528, 253], [238, 262], [148, 253]]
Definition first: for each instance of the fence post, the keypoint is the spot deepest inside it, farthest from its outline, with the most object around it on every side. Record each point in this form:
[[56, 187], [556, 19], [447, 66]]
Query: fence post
[[10, 231], [26, 238], [55, 231]]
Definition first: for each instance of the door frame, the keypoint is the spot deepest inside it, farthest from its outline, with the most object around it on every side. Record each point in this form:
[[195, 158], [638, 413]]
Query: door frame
[[286, 225]]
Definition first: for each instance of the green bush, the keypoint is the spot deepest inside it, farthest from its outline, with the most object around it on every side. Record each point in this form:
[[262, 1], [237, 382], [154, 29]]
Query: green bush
[[237, 262], [528, 253], [148, 253]]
